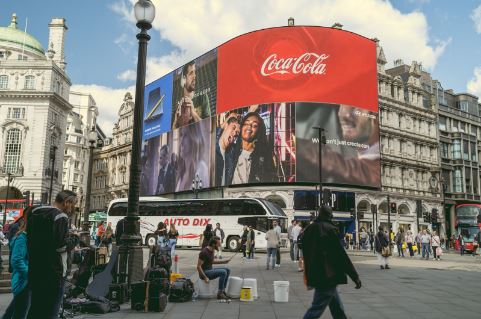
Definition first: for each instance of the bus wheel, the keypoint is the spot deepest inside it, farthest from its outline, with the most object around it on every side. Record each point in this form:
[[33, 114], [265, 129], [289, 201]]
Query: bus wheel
[[151, 240], [233, 243]]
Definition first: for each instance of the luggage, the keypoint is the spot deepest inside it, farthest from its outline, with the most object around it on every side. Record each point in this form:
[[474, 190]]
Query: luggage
[[161, 284], [181, 290], [137, 295], [142, 290], [99, 287], [161, 257], [119, 292], [156, 272], [157, 302]]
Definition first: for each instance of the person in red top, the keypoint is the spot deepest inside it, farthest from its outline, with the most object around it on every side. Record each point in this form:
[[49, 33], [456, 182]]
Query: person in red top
[[100, 232]]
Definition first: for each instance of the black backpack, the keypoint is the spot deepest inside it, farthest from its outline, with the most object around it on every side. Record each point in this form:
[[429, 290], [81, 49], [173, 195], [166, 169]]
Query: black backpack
[[181, 290], [161, 257]]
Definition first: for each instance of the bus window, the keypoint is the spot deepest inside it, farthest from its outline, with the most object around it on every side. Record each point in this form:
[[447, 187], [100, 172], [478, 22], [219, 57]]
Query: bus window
[[229, 208], [151, 208], [118, 209], [274, 209], [257, 223], [252, 207]]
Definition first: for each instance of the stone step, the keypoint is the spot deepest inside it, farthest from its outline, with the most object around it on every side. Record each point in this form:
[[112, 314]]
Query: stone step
[[5, 283], [5, 275], [5, 290]]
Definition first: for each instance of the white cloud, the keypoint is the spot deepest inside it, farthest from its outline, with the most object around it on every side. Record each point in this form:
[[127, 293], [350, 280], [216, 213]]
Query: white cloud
[[196, 26], [128, 75], [108, 101], [476, 17], [474, 85]]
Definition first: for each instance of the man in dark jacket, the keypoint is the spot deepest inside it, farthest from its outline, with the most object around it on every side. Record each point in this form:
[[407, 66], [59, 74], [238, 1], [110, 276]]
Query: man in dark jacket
[[326, 265], [49, 243]]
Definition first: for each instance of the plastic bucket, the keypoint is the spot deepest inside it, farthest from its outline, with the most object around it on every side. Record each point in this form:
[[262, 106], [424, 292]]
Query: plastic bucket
[[234, 287], [251, 282], [206, 290], [281, 291], [246, 294]]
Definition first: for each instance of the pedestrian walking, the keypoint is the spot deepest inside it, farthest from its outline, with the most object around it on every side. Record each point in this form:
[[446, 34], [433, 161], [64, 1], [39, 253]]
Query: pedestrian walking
[[364, 238], [273, 239], [207, 235], [426, 244], [409, 242], [250, 243], [107, 238], [295, 239], [418, 241], [100, 233], [300, 264], [49, 243], [173, 234], [219, 232], [436, 245], [371, 240], [399, 240], [326, 266], [277, 228], [289, 236], [383, 251], [461, 244], [243, 241], [20, 304]]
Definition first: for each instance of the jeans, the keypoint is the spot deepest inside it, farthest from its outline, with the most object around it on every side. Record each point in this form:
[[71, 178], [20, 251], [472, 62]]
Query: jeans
[[434, 251], [221, 273], [400, 249], [410, 247], [47, 297], [322, 299], [271, 255], [419, 247], [291, 251], [18, 307], [296, 251], [172, 243], [278, 255], [426, 249]]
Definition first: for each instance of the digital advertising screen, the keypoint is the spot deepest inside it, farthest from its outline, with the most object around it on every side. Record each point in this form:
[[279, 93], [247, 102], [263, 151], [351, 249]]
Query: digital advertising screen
[[245, 112]]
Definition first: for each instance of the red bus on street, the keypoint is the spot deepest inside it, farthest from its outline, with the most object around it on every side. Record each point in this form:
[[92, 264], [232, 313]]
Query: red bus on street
[[467, 225], [15, 209]]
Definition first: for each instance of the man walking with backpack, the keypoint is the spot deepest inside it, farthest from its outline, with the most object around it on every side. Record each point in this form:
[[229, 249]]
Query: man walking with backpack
[[326, 265], [49, 242]]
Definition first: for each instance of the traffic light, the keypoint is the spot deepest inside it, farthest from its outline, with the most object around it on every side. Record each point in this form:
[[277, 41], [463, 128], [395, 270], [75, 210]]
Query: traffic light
[[434, 215], [327, 196], [419, 208], [426, 217], [393, 208], [26, 197]]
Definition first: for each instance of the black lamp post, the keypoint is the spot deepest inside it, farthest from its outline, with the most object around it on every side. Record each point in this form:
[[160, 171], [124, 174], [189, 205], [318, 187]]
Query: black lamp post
[[131, 252], [9, 180], [196, 185], [322, 140], [53, 154], [92, 138]]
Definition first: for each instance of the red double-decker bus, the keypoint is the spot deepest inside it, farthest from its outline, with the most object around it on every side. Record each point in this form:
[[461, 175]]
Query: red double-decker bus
[[15, 208], [467, 224]]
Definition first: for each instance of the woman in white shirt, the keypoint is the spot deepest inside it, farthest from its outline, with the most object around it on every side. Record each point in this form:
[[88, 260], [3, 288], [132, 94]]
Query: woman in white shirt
[[409, 241], [436, 243]]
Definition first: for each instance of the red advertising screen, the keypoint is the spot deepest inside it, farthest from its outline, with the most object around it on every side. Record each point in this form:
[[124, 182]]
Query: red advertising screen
[[308, 64], [244, 113]]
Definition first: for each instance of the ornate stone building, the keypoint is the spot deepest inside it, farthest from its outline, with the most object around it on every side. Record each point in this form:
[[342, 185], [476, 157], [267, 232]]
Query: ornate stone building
[[111, 163], [34, 105]]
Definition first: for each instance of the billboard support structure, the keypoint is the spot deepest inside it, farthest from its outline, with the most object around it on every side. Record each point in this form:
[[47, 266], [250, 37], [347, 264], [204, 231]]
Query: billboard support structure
[[322, 140]]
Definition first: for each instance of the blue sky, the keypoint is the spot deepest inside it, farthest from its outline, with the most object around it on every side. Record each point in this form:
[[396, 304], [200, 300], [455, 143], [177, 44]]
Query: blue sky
[[101, 48]]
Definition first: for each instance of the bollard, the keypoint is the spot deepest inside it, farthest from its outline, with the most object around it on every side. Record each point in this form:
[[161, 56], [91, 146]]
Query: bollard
[[175, 267]]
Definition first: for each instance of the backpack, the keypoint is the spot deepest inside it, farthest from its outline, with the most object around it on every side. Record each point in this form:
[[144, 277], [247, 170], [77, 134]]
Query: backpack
[[181, 290], [161, 257]]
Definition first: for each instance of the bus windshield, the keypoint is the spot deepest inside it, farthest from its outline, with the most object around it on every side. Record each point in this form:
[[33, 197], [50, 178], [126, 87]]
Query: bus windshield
[[469, 233], [467, 211], [274, 209]]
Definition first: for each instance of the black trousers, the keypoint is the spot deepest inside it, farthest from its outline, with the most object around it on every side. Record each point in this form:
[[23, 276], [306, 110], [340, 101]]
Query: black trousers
[[47, 297]]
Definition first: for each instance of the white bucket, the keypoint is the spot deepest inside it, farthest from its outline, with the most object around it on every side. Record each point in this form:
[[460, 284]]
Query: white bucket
[[234, 287], [251, 282], [281, 291], [207, 290]]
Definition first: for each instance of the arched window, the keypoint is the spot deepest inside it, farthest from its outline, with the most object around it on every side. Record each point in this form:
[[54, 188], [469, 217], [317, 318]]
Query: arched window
[[3, 81], [29, 82], [13, 147]]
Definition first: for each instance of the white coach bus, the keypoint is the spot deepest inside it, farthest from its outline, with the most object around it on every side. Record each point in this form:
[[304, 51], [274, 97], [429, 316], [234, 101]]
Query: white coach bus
[[190, 216]]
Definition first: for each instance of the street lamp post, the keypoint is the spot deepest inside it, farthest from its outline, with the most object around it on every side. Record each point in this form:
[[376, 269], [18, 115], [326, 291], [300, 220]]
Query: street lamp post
[[321, 140], [9, 180], [196, 185], [53, 153], [92, 138], [131, 257]]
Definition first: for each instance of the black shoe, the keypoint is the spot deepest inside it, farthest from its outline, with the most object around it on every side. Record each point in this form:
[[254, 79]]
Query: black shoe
[[382, 267], [387, 267]]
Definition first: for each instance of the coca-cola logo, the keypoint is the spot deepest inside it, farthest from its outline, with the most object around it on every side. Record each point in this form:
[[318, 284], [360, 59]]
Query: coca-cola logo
[[306, 63]]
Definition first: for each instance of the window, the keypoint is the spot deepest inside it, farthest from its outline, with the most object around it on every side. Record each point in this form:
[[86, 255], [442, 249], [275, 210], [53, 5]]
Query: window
[[79, 139], [22, 57], [474, 152], [29, 82], [458, 181], [475, 182], [456, 149], [444, 150], [75, 177], [3, 81], [16, 113], [474, 130], [462, 127], [74, 189], [76, 164], [442, 123], [13, 148], [464, 106], [454, 126], [465, 150]]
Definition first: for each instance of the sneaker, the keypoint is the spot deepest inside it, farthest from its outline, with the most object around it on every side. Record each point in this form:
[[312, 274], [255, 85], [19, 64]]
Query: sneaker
[[382, 267], [300, 270], [387, 267], [221, 296], [278, 266]]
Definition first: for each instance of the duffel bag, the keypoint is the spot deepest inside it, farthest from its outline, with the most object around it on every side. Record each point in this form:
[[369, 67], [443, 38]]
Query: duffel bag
[[181, 290]]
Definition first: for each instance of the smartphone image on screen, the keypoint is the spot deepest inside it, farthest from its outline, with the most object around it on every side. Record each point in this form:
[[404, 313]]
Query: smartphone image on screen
[[155, 107]]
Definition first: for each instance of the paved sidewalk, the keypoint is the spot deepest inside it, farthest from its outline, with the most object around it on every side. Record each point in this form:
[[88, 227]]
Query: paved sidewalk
[[413, 288]]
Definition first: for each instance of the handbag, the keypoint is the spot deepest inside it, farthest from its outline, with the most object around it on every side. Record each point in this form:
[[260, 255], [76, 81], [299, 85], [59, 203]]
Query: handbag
[[404, 246], [439, 251], [415, 247], [386, 251]]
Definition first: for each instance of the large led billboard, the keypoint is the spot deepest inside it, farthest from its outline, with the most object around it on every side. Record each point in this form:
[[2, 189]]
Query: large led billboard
[[244, 113]]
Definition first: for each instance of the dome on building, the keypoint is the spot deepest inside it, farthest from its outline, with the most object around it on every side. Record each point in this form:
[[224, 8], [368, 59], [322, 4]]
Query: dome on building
[[16, 39]]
